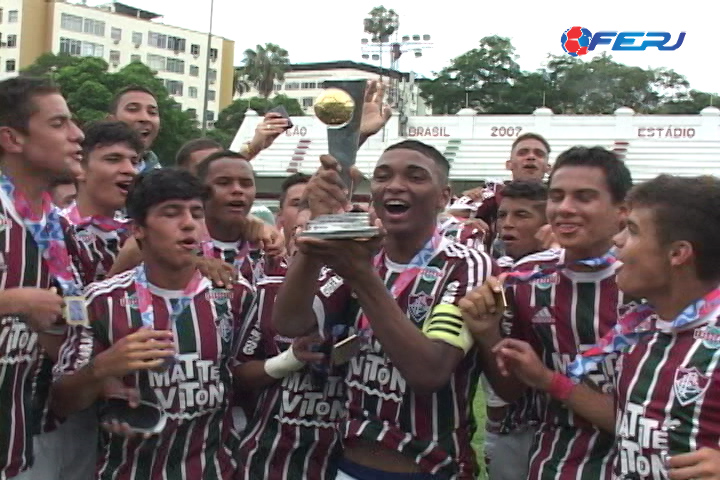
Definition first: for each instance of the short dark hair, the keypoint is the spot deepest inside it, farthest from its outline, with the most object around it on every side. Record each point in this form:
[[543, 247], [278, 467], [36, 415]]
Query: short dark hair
[[531, 136], [160, 185], [183, 155], [16, 100], [427, 150], [115, 102], [204, 166], [63, 179], [104, 134], [617, 175], [685, 209], [525, 190], [291, 181]]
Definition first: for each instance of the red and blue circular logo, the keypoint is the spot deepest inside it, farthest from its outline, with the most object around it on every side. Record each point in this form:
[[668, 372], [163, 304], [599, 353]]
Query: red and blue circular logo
[[575, 41]]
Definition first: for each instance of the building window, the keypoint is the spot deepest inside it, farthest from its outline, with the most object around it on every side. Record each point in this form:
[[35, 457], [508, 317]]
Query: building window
[[192, 112], [116, 33], [114, 56], [137, 38], [12, 16], [69, 46], [135, 58], [292, 86], [176, 44], [192, 92], [90, 49], [174, 87], [12, 41], [73, 23], [277, 87], [211, 95], [1, 15], [94, 27], [307, 102], [10, 65], [213, 54], [175, 66], [210, 116], [194, 71], [308, 85], [195, 49], [156, 62], [212, 75], [157, 40]]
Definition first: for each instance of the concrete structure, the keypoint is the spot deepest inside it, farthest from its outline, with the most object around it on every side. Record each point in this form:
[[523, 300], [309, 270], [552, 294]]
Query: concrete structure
[[119, 34], [303, 81], [478, 145]]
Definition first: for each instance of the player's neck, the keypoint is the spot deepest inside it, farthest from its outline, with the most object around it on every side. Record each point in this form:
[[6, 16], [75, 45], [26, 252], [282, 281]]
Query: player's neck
[[87, 207], [31, 183], [224, 232], [682, 291], [598, 249], [402, 248], [165, 276]]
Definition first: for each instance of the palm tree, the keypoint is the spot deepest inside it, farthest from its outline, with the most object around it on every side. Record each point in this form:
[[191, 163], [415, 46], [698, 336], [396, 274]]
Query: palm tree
[[264, 65]]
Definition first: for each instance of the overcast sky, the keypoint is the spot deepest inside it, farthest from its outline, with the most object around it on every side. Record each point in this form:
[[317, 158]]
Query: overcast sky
[[326, 30]]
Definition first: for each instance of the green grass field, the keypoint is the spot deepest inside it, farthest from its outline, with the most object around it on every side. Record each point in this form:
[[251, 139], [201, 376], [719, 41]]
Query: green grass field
[[479, 438]]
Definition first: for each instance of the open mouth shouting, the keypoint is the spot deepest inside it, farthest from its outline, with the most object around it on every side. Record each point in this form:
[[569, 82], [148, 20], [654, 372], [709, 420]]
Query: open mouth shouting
[[396, 209]]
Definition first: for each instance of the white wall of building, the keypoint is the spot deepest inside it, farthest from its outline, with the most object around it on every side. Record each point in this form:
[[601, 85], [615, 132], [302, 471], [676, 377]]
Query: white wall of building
[[10, 55]]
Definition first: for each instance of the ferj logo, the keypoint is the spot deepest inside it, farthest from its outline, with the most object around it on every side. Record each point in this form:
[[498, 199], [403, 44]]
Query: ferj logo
[[578, 41]]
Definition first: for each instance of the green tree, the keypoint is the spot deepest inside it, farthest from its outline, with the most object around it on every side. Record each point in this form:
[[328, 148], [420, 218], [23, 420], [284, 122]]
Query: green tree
[[89, 88], [263, 66], [49, 63], [480, 78], [230, 119], [381, 24]]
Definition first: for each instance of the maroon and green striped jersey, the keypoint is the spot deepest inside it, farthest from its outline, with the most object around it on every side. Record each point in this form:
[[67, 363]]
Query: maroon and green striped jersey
[[668, 397], [433, 429], [229, 251], [562, 315], [25, 369], [464, 233], [292, 435], [195, 392], [523, 411], [98, 250]]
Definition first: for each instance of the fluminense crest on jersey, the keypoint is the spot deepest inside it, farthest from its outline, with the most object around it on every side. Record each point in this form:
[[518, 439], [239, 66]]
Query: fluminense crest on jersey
[[690, 385]]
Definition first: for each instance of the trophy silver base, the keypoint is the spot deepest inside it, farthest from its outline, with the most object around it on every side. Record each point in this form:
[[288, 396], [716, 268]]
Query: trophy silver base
[[341, 226]]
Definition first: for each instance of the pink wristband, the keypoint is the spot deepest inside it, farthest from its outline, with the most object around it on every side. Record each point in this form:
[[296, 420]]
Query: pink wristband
[[560, 387]]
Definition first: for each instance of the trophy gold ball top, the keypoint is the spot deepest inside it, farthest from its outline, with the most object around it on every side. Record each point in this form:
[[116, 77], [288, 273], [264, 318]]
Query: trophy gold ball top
[[334, 107]]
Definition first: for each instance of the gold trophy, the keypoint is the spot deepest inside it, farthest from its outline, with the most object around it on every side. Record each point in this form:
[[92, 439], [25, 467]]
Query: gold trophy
[[340, 107]]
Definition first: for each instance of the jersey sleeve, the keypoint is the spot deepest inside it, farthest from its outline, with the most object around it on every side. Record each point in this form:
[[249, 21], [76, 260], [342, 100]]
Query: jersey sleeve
[[251, 338], [332, 302], [84, 342], [446, 323], [245, 310]]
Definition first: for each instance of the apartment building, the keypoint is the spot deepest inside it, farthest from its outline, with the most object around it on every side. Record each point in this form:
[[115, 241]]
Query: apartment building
[[119, 34]]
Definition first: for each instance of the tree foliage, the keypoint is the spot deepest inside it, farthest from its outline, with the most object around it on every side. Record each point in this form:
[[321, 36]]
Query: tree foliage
[[89, 88], [381, 24], [262, 67], [489, 80]]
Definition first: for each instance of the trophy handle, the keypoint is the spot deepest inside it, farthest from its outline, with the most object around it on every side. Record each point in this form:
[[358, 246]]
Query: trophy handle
[[343, 141]]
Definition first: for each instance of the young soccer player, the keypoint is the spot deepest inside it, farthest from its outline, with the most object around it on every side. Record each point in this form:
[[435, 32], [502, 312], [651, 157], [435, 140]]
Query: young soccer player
[[562, 302], [401, 420], [38, 143], [168, 332]]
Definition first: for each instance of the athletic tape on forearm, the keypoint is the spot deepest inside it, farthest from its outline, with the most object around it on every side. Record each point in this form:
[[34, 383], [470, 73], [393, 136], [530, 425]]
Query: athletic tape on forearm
[[283, 365], [446, 324]]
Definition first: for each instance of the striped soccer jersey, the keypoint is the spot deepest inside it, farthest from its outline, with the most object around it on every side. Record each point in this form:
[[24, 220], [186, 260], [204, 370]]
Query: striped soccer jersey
[[195, 392], [25, 370], [562, 315], [433, 429], [668, 397], [292, 435]]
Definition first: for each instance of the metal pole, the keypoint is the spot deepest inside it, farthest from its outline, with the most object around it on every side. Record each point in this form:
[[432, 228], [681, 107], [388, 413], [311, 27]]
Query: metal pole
[[207, 70]]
